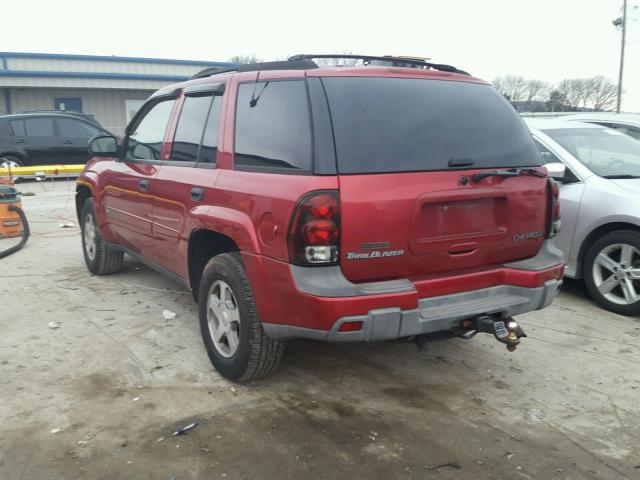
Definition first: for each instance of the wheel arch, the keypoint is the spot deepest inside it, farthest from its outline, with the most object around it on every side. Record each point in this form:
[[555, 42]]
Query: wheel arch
[[83, 192], [204, 244], [12, 153], [598, 232]]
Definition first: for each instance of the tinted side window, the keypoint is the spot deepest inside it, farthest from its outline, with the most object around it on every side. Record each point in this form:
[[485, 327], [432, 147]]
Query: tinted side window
[[146, 141], [17, 127], [210, 138], [39, 127], [186, 141], [273, 128], [75, 128]]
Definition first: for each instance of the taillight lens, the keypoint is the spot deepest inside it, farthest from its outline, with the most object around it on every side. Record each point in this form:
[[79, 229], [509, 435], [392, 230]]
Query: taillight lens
[[314, 234], [553, 223]]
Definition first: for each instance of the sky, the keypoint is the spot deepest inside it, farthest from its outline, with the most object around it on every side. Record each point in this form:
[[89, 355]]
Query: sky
[[543, 39]]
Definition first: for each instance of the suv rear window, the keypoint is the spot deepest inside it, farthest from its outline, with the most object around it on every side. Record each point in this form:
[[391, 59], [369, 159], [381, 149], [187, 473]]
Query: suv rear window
[[403, 125]]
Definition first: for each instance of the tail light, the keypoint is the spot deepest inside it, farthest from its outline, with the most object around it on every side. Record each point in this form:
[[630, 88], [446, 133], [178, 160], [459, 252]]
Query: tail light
[[314, 233], [553, 222]]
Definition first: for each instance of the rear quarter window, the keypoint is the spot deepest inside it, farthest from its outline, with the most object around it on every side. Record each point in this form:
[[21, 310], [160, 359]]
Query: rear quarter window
[[402, 125], [273, 125]]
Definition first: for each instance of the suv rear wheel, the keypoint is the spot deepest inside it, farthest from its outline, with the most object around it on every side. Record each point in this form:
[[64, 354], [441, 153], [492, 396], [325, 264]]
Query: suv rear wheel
[[100, 259], [612, 272], [231, 329]]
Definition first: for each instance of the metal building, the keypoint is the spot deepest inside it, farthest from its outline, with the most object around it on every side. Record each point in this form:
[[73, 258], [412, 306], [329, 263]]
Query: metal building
[[110, 88]]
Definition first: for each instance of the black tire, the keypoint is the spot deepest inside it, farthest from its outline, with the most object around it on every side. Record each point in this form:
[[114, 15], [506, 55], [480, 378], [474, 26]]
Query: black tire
[[626, 237], [257, 355], [105, 260]]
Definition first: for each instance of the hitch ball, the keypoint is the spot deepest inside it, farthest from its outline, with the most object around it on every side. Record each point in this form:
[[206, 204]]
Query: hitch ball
[[513, 336]]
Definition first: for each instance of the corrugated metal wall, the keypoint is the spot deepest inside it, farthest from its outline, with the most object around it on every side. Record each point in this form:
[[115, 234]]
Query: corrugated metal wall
[[52, 82], [108, 106], [70, 65]]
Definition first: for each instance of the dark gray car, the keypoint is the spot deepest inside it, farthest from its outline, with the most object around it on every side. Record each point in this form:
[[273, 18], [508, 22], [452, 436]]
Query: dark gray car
[[45, 139]]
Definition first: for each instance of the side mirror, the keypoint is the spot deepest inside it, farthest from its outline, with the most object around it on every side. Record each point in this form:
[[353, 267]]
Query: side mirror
[[556, 170], [103, 146]]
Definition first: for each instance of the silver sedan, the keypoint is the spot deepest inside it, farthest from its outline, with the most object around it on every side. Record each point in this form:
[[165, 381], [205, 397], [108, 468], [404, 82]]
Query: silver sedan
[[599, 171]]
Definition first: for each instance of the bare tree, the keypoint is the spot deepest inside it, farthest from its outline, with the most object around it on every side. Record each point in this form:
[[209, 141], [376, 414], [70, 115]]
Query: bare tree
[[513, 87], [576, 91], [597, 93], [332, 62], [245, 59], [603, 93], [537, 90]]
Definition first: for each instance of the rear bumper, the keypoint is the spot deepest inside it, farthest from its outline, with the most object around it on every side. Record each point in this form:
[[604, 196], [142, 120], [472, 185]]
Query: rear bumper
[[311, 302], [434, 314]]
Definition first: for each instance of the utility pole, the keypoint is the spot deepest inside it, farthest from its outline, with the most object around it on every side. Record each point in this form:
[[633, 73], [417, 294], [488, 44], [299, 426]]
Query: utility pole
[[621, 22]]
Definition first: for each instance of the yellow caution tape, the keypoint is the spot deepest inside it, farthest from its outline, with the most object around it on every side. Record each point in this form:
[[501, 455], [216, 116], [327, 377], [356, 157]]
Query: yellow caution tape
[[43, 171]]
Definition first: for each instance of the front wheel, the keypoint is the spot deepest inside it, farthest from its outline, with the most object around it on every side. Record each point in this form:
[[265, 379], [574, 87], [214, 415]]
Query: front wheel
[[612, 272], [231, 329], [98, 256]]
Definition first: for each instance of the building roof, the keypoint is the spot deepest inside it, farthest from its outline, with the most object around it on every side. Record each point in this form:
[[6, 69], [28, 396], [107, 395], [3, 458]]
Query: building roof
[[113, 58], [26, 69]]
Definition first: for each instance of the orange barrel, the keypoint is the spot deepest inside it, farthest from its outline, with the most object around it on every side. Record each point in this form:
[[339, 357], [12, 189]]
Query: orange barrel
[[10, 223]]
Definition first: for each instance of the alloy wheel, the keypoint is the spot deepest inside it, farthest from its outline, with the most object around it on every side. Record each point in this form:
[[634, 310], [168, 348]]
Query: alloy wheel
[[223, 318], [89, 234], [616, 273]]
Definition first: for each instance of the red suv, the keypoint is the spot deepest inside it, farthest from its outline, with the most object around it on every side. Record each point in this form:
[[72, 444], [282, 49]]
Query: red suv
[[351, 203]]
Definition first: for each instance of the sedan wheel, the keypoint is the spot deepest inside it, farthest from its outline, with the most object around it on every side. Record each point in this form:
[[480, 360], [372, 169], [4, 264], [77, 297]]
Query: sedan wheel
[[612, 272], [616, 273]]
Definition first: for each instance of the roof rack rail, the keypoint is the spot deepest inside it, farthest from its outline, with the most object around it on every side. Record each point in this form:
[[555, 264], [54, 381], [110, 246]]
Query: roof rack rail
[[305, 62], [302, 64], [368, 58]]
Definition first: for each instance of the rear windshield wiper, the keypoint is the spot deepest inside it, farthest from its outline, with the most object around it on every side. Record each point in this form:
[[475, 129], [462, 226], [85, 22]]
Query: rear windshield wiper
[[512, 172], [620, 176]]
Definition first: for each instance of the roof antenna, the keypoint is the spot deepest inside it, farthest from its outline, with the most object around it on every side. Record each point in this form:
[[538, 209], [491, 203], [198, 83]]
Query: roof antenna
[[254, 100]]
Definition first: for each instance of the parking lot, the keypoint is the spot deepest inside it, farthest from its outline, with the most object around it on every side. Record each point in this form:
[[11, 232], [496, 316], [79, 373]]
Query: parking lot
[[94, 381]]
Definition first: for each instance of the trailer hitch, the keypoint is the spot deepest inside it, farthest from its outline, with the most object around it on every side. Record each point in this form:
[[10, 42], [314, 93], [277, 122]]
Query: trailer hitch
[[505, 330]]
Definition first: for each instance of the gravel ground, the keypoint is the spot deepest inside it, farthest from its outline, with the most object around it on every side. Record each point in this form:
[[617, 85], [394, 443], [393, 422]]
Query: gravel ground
[[99, 395]]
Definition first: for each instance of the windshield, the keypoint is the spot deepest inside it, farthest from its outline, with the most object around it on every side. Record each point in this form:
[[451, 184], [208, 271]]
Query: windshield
[[606, 152], [403, 125]]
